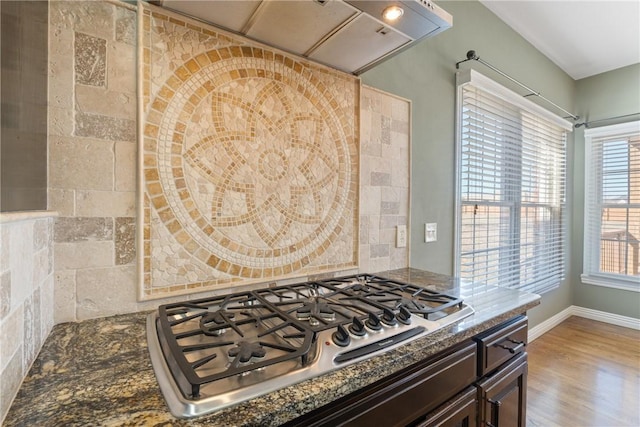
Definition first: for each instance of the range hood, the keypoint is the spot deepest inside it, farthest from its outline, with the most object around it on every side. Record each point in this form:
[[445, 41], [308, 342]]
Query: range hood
[[352, 36]]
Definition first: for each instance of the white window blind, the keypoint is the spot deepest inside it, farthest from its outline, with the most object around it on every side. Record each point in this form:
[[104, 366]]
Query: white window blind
[[511, 189], [612, 206]]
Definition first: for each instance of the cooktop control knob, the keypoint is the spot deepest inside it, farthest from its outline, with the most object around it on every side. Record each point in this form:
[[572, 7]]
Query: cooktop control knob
[[357, 327], [404, 316], [341, 337], [388, 318], [373, 322]]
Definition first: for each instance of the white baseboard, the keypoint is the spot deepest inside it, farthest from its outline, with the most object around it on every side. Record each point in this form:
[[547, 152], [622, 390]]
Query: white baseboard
[[550, 323], [601, 316]]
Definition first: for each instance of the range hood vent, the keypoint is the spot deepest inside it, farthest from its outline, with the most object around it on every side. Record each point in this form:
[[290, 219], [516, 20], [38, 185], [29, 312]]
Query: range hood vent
[[352, 36]]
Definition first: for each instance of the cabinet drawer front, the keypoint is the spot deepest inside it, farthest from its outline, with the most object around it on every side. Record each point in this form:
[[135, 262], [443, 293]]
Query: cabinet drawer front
[[404, 397], [499, 345], [460, 411], [419, 394]]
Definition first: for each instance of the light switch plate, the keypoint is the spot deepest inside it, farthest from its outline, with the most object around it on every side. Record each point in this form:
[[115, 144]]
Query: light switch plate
[[401, 236], [430, 232]]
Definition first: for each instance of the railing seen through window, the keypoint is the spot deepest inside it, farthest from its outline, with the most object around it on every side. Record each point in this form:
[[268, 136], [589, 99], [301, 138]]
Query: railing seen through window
[[612, 219]]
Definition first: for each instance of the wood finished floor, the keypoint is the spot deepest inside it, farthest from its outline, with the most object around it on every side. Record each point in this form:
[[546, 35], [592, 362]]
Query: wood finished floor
[[584, 373]]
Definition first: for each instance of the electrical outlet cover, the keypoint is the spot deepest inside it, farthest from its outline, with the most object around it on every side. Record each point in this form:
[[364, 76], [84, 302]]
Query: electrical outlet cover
[[430, 232], [401, 236]]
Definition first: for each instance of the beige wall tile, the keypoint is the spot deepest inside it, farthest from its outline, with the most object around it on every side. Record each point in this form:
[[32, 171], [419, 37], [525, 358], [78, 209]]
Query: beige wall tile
[[384, 194], [370, 198], [99, 100], [121, 73], [104, 127], [106, 291], [105, 203], [126, 26], [41, 266], [388, 221], [125, 241], [76, 163], [364, 264], [41, 233], [5, 247], [11, 336], [379, 250], [62, 201], [89, 17], [61, 83], [364, 229], [399, 258], [374, 229], [10, 380], [391, 194], [125, 166], [74, 229], [388, 236], [21, 261], [30, 317], [60, 40], [60, 121], [400, 179], [5, 294], [32, 338], [88, 254], [47, 305], [90, 60], [64, 296], [380, 264], [400, 110]]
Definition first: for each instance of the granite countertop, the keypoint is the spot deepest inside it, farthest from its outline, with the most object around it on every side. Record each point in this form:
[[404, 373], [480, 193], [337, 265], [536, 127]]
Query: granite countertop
[[98, 372]]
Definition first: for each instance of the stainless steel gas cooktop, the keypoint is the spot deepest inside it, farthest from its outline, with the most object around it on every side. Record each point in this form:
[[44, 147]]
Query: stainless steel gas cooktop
[[215, 352]]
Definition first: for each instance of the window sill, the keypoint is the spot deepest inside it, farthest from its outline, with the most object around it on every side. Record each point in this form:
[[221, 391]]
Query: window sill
[[630, 284]]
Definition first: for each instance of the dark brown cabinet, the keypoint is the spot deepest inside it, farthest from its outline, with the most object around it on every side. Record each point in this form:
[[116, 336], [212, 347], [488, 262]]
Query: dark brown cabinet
[[502, 363], [503, 396], [480, 382], [462, 411]]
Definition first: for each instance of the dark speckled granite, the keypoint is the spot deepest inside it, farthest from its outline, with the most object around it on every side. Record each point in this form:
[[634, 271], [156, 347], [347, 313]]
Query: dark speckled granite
[[98, 372]]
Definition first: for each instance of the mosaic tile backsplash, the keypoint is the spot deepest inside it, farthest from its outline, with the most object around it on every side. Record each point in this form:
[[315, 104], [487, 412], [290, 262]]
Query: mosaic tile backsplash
[[250, 161]]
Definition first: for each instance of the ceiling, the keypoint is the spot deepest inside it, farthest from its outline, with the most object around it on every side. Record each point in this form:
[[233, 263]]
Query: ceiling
[[582, 37]]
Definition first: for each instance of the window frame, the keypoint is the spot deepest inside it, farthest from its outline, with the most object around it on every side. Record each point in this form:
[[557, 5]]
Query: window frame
[[484, 83], [591, 275]]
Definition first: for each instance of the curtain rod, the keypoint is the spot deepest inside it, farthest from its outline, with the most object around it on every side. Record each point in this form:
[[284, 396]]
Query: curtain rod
[[471, 55], [586, 123]]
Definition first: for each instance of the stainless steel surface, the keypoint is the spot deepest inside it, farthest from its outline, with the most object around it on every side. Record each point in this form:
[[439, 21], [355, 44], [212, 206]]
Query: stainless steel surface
[[348, 35], [231, 385]]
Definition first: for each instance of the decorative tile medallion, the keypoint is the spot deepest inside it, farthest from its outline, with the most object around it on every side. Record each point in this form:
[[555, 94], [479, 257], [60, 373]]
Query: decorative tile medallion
[[249, 166]]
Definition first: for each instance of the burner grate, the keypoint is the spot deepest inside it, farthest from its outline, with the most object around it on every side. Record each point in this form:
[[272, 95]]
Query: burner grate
[[222, 337], [201, 336]]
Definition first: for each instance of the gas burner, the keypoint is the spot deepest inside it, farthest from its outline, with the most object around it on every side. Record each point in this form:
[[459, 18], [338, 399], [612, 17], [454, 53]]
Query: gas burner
[[411, 304], [249, 302], [216, 351], [359, 288], [245, 351], [220, 317], [314, 311], [211, 323]]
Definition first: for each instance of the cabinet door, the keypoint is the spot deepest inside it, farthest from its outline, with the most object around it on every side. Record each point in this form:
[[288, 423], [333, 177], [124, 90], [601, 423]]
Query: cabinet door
[[503, 399], [459, 412]]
